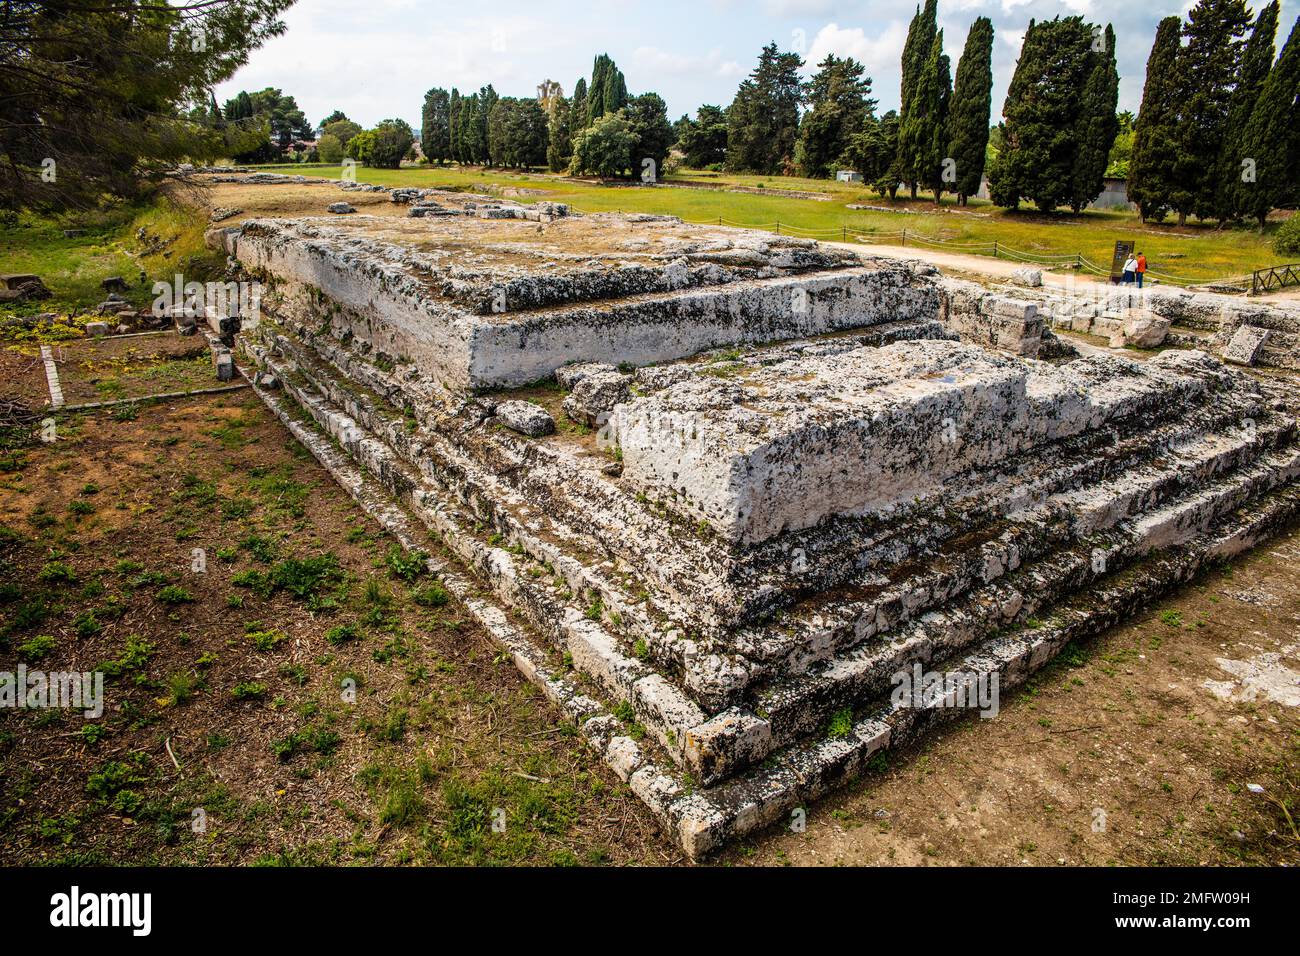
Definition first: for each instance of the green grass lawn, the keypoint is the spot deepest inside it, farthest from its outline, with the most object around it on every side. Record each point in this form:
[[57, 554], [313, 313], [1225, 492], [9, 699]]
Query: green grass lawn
[[1194, 253], [74, 268]]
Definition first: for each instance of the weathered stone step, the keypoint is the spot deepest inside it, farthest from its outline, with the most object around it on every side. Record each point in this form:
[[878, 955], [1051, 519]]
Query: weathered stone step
[[705, 819], [659, 704], [875, 603], [790, 708], [711, 674]]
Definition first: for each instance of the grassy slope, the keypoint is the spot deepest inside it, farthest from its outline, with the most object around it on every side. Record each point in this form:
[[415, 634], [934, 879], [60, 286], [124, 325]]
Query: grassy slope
[[74, 268]]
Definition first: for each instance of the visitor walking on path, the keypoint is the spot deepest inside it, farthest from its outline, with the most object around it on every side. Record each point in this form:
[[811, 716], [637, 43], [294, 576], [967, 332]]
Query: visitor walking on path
[[1130, 269], [1140, 268]]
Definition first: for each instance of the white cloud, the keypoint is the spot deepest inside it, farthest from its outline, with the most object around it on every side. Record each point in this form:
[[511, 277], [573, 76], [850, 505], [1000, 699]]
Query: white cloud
[[880, 54]]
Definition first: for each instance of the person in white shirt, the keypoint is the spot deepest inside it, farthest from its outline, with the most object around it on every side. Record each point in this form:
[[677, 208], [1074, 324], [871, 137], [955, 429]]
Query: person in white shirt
[[1130, 269]]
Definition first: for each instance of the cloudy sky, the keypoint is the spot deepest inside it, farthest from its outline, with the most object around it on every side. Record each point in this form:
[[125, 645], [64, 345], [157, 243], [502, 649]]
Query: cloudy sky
[[375, 58]]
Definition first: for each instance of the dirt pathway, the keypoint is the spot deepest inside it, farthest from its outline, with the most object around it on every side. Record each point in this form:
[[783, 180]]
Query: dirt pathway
[[986, 267]]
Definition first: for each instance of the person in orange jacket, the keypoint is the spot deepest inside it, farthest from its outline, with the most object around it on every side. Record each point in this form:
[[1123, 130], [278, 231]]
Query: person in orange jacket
[[1141, 268]]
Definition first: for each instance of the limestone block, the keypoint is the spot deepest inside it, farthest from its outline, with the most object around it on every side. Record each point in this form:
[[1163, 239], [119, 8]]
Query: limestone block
[[1140, 328], [570, 375], [1246, 345], [525, 418], [594, 397]]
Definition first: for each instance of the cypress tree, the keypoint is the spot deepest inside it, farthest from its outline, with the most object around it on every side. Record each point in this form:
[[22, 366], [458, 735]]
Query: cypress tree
[[968, 117], [939, 128], [434, 132], [1151, 168], [1255, 64], [578, 107], [453, 126], [600, 79], [1044, 101], [1098, 125], [916, 51], [1269, 136], [615, 91], [1207, 67], [487, 98]]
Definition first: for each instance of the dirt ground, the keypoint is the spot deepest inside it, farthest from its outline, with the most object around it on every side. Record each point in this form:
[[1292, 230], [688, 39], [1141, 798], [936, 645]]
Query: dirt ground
[[1138, 748], [229, 735]]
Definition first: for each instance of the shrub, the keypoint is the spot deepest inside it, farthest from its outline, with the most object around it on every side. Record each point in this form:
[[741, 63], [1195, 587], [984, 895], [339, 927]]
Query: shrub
[[342, 634], [1286, 241], [174, 594]]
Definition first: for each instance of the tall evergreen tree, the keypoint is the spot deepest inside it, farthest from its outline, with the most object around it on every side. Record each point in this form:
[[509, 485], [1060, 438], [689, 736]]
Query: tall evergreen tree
[[1256, 61], [922, 133], [647, 120], [968, 117], [578, 107], [1151, 168], [763, 119], [839, 97], [1269, 138], [1037, 157], [435, 132], [453, 125], [487, 98], [887, 182], [559, 134], [916, 51], [1207, 68], [607, 92], [1098, 124], [615, 92]]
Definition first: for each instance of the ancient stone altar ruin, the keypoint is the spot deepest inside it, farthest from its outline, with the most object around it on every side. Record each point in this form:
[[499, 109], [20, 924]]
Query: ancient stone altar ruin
[[715, 488]]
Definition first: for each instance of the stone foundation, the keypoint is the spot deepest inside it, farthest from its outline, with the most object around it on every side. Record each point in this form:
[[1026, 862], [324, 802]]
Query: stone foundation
[[798, 474]]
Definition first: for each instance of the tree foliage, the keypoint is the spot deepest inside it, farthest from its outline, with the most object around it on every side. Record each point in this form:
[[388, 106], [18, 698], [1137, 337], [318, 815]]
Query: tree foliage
[[763, 119], [96, 93], [435, 128], [383, 147], [1270, 139], [968, 116], [840, 104], [1151, 169], [1207, 70], [1059, 117], [703, 140], [604, 148]]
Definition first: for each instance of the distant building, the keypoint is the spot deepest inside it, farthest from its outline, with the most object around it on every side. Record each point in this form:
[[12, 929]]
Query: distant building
[[1114, 195], [848, 176]]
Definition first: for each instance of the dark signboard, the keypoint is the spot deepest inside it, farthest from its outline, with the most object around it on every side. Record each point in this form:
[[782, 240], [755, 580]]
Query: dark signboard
[[1122, 251]]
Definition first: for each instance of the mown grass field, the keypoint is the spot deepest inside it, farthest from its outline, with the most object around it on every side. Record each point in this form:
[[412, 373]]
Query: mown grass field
[[1195, 252]]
